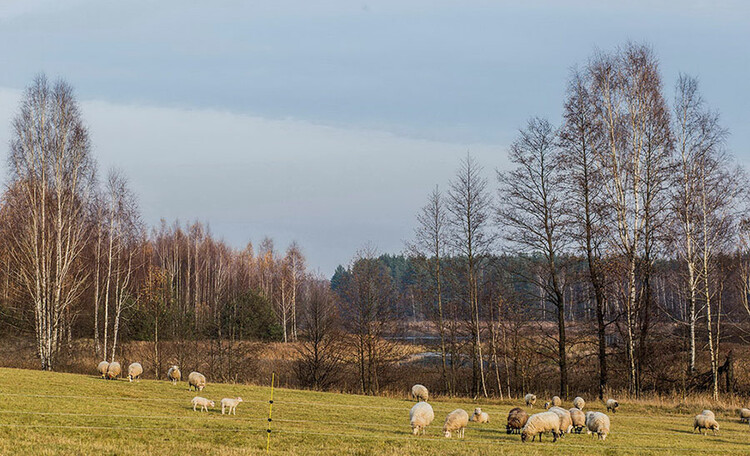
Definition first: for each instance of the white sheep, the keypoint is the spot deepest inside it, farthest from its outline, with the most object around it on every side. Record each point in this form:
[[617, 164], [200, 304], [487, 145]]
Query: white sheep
[[479, 416], [597, 424], [134, 371], [554, 402], [578, 418], [420, 393], [113, 370], [612, 405], [566, 422], [705, 422], [102, 368], [231, 404], [456, 421], [196, 380], [203, 402], [530, 400], [744, 415], [174, 375], [538, 424], [420, 416], [579, 403]]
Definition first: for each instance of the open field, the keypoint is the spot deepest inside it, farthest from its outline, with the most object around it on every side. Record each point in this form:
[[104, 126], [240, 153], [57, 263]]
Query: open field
[[54, 413]]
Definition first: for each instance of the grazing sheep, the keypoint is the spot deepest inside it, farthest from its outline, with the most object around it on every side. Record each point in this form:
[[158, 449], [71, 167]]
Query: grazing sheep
[[113, 370], [705, 422], [231, 404], [597, 423], [456, 421], [420, 416], [517, 418], [530, 400], [708, 413], [196, 380], [102, 369], [134, 371], [174, 375], [579, 403], [566, 422], [744, 415], [578, 418], [420, 393], [479, 416], [540, 423], [554, 402], [203, 402], [612, 405]]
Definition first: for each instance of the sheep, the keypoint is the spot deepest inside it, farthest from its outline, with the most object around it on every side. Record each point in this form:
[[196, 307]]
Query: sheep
[[419, 393], [113, 370], [456, 421], [196, 380], [566, 422], [708, 413], [102, 368], [530, 400], [134, 371], [744, 415], [612, 405], [706, 422], [420, 416], [479, 416], [517, 418], [554, 402], [540, 423], [203, 402], [231, 404], [597, 424], [174, 375], [579, 403], [578, 419]]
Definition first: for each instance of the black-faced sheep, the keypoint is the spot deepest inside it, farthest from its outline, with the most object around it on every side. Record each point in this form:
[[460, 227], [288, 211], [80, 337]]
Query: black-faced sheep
[[517, 418]]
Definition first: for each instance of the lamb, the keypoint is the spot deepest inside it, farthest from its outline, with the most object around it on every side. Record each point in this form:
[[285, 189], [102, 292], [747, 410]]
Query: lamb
[[196, 380], [530, 400], [578, 419], [479, 416], [134, 371], [579, 403], [203, 402], [555, 402], [419, 393], [517, 418], [420, 416], [456, 421], [113, 370], [174, 375], [102, 368], [597, 423], [566, 422], [540, 423], [612, 405], [705, 422], [744, 415], [231, 404]]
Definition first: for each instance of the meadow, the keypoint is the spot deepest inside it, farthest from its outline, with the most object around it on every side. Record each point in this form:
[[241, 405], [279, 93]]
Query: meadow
[[55, 413]]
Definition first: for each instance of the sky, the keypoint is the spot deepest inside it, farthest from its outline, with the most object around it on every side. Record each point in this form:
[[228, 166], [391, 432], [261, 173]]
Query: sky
[[330, 122]]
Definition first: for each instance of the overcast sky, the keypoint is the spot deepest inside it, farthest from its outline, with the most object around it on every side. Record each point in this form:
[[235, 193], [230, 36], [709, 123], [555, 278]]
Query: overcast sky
[[329, 122]]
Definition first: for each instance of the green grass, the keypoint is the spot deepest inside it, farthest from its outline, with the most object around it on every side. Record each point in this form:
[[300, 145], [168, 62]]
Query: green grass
[[51, 413]]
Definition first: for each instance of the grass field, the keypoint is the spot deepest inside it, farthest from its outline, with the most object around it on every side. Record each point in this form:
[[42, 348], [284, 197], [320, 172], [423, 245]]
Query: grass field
[[52, 413]]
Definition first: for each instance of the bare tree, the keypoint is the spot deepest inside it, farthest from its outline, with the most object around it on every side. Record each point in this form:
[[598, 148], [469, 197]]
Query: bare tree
[[53, 173], [469, 204], [532, 211]]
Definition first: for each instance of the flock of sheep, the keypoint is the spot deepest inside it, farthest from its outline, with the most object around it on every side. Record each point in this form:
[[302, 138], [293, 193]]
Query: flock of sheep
[[555, 420], [196, 381]]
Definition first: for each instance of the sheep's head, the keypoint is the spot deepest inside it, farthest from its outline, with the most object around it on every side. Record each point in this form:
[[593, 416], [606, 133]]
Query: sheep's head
[[211, 403], [508, 430], [547, 405], [525, 436], [447, 433], [415, 430], [239, 399], [200, 387]]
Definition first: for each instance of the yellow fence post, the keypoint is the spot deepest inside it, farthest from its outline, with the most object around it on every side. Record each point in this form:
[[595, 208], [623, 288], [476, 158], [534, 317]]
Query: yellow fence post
[[270, 409]]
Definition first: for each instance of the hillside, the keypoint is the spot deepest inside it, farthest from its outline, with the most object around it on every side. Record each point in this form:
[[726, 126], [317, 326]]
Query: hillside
[[53, 413]]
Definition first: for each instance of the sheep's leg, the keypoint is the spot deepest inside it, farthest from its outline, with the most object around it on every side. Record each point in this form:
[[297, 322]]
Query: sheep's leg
[[194, 406]]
